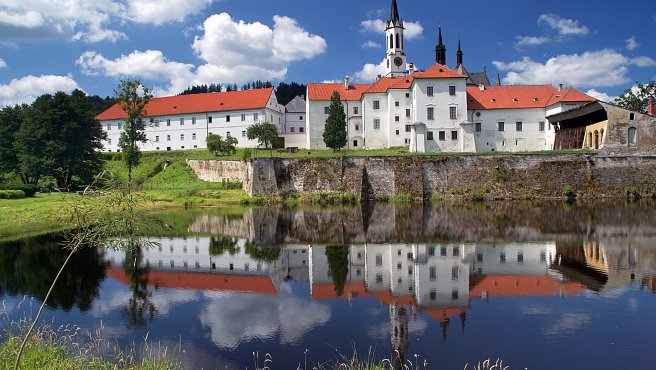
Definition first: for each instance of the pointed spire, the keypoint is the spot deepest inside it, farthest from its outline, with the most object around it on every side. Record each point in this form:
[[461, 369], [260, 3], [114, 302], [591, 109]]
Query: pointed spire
[[440, 49], [459, 55], [498, 79], [394, 12], [439, 38]]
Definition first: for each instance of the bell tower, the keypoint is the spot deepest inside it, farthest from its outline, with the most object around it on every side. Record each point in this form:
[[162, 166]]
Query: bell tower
[[440, 49], [396, 58]]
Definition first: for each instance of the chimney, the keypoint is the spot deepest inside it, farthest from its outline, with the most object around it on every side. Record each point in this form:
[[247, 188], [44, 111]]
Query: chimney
[[481, 87], [379, 77], [560, 87], [346, 82], [303, 97], [651, 107]]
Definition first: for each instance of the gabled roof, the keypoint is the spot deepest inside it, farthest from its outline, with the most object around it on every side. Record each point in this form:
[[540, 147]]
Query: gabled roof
[[532, 96], [197, 103], [386, 83], [296, 105], [323, 91], [438, 71]]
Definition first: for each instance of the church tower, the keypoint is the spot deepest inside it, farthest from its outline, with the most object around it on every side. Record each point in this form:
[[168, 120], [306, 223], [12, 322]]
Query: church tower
[[396, 58], [440, 50]]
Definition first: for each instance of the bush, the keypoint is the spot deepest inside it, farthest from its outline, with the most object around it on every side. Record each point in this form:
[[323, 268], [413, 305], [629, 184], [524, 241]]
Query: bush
[[12, 194], [568, 191], [28, 190]]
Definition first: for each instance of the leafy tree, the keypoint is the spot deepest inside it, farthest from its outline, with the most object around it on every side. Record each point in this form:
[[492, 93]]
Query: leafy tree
[[334, 135], [133, 98], [637, 98], [10, 123], [217, 145], [266, 134], [221, 244], [286, 92], [338, 264]]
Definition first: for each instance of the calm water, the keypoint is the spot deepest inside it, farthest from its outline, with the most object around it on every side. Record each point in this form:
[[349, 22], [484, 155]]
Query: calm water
[[541, 285]]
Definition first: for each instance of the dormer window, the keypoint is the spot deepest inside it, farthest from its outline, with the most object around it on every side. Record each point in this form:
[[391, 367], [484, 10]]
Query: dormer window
[[493, 100]]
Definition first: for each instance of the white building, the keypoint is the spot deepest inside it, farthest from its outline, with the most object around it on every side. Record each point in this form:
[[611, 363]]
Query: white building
[[184, 121], [438, 109]]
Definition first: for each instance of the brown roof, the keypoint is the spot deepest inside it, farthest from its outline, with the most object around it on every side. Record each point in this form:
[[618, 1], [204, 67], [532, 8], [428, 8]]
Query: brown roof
[[438, 71], [323, 91], [532, 96], [197, 103]]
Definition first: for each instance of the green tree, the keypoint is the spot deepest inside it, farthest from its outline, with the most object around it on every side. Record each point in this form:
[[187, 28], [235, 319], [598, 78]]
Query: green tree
[[219, 146], [338, 265], [334, 135], [637, 98], [10, 123], [266, 134], [132, 97]]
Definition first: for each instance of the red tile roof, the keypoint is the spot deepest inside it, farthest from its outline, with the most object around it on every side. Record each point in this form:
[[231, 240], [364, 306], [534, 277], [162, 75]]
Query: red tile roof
[[323, 91], [508, 97], [444, 313], [203, 281], [386, 83], [198, 103], [438, 71], [523, 286], [327, 290]]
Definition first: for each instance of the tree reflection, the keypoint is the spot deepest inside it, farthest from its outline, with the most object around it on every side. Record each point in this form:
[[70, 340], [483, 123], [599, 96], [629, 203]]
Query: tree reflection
[[29, 264], [264, 254], [221, 244], [140, 308], [338, 265]]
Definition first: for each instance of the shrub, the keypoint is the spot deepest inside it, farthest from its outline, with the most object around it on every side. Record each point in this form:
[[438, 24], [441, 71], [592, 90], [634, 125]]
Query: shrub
[[28, 190], [568, 191], [11, 194]]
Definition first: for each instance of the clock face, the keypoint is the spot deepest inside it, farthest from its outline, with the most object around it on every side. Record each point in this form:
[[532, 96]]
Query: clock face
[[398, 61]]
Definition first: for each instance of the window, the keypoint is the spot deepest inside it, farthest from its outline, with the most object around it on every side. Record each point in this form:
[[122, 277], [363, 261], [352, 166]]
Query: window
[[442, 135], [443, 251], [193, 120], [376, 104], [430, 113], [407, 95], [376, 124], [326, 110], [255, 117], [456, 251], [502, 257], [168, 122], [243, 117], [433, 294], [408, 128], [632, 135], [518, 126], [209, 119], [181, 121], [453, 112], [301, 129], [432, 273], [355, 143], [454, 295], [243, 134], [429, 90], [300, 118], [228, 118], [520, 257], [407, 112], [397, 118], [455, 273], [271, 118], [429, 135], [398, 132], [109, 127], [631, 117], [168, 137], [396, 104], [120, 125], [454, 135], [379, 260], [541, 126], [477, 127], [193, 136], [452, 90], [357, 127], [500, 126], [157, 139], [181, 136], [109, 141], [291, 129], [356, 110], [227, 134]]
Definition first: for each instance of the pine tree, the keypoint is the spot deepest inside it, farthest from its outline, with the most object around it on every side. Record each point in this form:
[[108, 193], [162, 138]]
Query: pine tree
[[334, 135]]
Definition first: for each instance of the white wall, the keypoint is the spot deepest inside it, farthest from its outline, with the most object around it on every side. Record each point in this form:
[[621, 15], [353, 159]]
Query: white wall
[[530, 138]]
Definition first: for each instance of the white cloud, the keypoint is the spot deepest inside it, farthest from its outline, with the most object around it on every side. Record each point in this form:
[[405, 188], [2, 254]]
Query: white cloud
[[371, 45], [600, 95], [28, 88], [3, 64], [591, 69], [643, 62], [632, 43], [370, 71], [564, 26], [162, 11], [233, 51], [413, 30], [531, 40]]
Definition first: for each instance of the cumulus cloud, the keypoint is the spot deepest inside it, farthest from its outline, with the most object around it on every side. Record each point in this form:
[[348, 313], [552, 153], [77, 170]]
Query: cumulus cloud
[[28, 88], [233, 51], [632, 43], [600, 95], [643, 62], [89, 21], [3, 64], [370, 71], [412, 31], [521, 41], [567, 324], [162, 11], [564, 26], [591, 69], [371, 45]]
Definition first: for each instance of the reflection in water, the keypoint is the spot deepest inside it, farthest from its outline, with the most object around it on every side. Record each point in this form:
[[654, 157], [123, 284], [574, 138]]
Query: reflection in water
[[140, 309]]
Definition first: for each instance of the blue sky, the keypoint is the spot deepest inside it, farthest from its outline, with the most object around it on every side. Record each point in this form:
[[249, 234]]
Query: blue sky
[[50, 45]]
